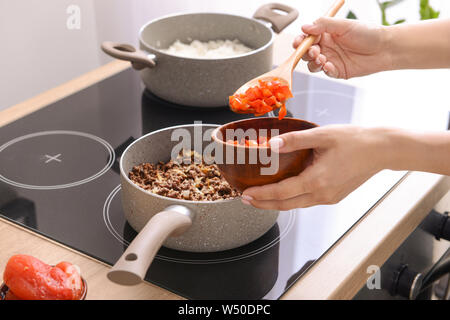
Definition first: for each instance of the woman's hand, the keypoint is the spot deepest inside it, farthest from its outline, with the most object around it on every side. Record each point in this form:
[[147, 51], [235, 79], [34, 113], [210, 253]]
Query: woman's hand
[[346, 48], [344, 157]]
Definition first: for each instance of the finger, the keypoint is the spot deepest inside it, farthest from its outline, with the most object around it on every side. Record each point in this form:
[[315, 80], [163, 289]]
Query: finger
[[302, 37], [302, 201], [285, 189], [298, 40], [321, 60], [306, 28], [314, 67], [312, 53], [326, 24], [296, 140], [330, 70]]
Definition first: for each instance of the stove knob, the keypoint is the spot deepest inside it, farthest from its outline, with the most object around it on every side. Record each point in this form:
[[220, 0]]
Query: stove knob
[[407, 283], [438, 224]]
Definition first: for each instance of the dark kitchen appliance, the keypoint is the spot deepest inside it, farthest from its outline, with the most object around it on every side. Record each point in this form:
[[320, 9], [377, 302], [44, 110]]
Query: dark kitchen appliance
[[58, 177], [413, 269]]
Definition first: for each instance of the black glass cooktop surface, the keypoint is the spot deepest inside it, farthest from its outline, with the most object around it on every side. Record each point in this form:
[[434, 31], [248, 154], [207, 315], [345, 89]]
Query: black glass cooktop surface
[[59, 177]]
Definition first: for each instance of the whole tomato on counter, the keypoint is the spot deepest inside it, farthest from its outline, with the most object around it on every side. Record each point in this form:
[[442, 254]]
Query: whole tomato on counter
[[29, 278]]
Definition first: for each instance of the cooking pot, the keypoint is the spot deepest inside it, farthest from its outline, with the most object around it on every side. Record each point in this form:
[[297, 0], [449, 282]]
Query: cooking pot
[[203, 82], [196, 226]]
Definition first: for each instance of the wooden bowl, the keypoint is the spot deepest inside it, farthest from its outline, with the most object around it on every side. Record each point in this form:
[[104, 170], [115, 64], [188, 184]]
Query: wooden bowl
[[243, 174], [4, 290]]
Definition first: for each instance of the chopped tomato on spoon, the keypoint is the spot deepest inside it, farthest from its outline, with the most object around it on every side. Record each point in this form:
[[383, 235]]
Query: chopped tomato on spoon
[[29, 278], [266, 97]]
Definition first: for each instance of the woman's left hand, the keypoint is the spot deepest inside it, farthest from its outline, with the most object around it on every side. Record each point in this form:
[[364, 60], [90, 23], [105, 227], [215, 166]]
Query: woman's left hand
[[344, 157]]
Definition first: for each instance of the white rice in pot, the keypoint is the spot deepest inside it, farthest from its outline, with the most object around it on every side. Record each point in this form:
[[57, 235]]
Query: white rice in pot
[[214, 49]]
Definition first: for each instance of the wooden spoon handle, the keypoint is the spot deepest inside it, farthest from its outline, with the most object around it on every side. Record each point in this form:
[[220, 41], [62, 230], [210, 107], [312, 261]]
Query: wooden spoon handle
[[309, 40]]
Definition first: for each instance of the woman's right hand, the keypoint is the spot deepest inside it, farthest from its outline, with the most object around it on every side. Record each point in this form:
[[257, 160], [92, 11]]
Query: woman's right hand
[[346, 48]]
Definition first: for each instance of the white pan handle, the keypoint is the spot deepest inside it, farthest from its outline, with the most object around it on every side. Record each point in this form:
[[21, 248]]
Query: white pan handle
[[132, 266]]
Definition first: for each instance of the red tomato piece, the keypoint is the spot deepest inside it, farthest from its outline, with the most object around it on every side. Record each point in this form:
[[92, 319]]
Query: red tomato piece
[[29, 278], [266, 93], [286, 92], [253, 93], [256, 104], [262, 140], [265, 107], [280, 96], [282, 112], [270, 101]]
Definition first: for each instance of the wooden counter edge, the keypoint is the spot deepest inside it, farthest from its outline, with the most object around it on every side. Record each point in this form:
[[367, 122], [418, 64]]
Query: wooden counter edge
[[342, 271]]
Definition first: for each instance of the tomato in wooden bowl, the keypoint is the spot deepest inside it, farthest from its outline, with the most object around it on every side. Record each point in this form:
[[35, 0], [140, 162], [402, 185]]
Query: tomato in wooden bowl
[[255, 152]]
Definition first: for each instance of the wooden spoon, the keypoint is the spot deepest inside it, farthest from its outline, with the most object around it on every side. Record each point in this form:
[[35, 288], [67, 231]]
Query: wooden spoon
[[284, 71]]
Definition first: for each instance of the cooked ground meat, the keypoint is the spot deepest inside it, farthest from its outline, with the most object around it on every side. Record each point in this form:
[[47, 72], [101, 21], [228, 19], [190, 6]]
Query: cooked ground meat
[[188, 181]]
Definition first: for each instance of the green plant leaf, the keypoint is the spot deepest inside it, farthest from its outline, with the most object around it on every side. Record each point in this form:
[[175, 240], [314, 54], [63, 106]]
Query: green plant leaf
[[426, 11], [351, 15], [384, 6]]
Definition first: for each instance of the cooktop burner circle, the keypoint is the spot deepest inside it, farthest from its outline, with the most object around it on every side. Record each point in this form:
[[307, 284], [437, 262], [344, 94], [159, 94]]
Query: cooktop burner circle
[[116, 224], [55, 159]]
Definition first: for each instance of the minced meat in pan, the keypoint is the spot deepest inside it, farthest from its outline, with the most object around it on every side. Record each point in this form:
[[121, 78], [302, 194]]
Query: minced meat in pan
[[186, 181]]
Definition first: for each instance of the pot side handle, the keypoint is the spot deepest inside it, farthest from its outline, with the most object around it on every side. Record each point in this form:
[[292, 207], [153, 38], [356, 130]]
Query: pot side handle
[[278, 21], [138, 58], [132, 266]]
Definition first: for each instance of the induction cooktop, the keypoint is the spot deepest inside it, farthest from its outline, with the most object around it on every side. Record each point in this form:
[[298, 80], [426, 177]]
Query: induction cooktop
[[59, 177]]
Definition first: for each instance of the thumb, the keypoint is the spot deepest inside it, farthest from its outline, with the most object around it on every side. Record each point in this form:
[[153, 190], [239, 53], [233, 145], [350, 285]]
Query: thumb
[[326, 24], [297, 140]]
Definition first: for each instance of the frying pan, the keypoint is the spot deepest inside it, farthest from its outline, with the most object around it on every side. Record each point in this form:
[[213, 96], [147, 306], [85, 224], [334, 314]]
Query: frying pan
[[195, 226]]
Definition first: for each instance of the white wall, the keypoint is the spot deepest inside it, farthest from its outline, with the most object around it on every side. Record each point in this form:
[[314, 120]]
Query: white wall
[[39, 52]]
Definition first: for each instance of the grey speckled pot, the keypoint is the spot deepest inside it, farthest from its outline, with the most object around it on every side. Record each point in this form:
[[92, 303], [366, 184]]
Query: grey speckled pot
[[200, 226], [203, 82]]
